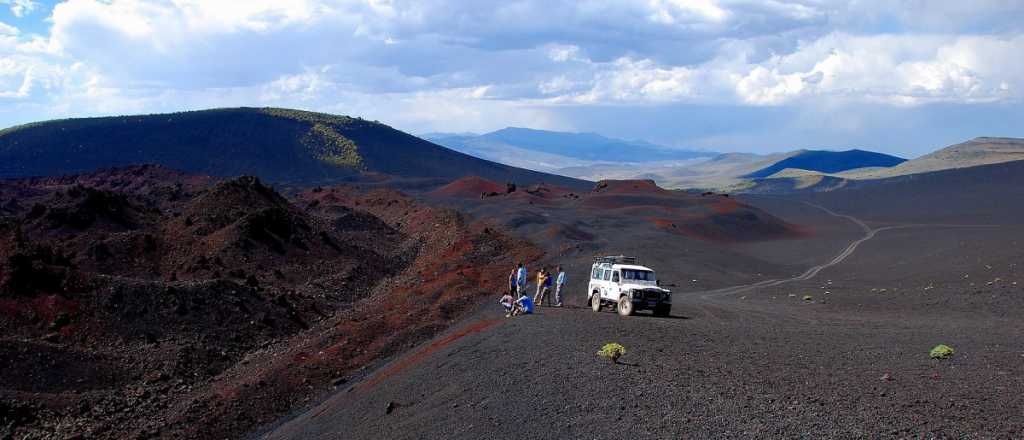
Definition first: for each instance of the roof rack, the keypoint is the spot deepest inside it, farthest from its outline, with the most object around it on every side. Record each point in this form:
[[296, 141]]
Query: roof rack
[[615, 259]]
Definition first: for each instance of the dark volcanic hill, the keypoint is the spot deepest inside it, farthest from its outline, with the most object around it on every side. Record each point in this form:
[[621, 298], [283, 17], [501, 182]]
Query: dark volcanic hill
[[830, 162], [278, 145], [143, 302]]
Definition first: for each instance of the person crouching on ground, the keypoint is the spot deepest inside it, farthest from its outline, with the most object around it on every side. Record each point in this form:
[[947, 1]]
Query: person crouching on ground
[[559, 282], [524, 305], [509, 303]]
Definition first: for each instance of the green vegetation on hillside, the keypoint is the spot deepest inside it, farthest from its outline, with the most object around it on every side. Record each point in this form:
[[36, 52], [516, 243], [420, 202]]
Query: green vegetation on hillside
[[331, 147], [311, 117]]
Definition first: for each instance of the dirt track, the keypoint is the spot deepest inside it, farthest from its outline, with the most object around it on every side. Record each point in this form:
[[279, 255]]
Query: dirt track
[[870, 233]]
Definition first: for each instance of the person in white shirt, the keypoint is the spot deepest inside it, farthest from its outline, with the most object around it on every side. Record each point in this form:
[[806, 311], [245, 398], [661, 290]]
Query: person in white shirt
[[521, 279], [559, 282]]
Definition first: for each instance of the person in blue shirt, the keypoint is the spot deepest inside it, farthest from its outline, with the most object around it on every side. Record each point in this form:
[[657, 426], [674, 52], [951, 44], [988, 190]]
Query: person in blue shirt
[[559, 282], [513, 283], [524, 305]]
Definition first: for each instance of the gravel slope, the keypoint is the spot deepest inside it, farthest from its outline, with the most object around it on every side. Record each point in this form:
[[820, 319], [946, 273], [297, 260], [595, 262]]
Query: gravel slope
[[844, 354]]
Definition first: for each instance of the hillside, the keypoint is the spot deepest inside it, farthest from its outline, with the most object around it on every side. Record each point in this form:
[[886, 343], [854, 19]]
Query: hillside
[[578, 146], [975, 152], [718, 172], [829, 162], [142, 302], [279, 145]]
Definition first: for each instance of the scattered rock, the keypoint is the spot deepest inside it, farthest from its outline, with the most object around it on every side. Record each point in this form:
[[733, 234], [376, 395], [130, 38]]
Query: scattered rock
[[60, 321]]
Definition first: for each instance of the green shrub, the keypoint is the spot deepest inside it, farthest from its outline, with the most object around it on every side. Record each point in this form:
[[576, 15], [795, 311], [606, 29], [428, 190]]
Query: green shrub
[[941, 351], [613, 351], [331, 147]]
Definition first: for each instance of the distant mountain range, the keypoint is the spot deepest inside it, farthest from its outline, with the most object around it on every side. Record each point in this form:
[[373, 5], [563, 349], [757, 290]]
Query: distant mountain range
[[829, 162], [550, 145], [279, 145], [975, 153]]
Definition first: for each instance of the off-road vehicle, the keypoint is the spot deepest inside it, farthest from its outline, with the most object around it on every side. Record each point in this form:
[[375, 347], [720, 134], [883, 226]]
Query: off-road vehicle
[[621, 282]]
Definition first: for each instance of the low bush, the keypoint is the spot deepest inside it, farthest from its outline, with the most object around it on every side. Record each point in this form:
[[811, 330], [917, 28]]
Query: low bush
[[613, 351], [941, 351]]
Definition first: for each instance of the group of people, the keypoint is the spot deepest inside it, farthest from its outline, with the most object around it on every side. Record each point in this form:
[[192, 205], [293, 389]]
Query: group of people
[[516, 301]]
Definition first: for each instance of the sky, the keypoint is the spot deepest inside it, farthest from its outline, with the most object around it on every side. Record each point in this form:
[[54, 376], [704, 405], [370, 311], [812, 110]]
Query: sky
[[902, 77]]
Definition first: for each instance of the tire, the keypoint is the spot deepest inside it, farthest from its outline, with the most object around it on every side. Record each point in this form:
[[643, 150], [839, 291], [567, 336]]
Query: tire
[[625, 306], [595, 302], [662, 310]]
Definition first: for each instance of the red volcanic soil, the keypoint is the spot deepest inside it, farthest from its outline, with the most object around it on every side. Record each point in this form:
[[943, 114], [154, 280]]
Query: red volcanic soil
[[142, 302], [470, 186], [623, 216], [473, 187], [715, 218], [632, 187]]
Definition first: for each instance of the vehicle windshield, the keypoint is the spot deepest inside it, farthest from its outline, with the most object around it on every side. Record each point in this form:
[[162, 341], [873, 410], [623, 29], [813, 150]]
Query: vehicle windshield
[[637, 275]]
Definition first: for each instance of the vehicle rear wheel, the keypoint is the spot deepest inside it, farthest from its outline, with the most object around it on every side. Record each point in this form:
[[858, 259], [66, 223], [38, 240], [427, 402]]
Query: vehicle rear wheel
[[595, 302], [662, 310], [625, 306]]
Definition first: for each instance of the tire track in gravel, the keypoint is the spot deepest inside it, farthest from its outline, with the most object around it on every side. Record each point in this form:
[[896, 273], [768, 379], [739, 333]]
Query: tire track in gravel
[[810, 273]]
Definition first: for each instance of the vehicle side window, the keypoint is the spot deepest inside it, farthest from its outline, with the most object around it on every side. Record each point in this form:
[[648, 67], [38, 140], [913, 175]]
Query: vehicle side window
[[615, 277], [607, 275], [596, 274]]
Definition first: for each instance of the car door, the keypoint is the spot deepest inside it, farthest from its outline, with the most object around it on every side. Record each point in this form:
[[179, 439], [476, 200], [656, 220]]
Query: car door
[[606, 281], [613, 286]]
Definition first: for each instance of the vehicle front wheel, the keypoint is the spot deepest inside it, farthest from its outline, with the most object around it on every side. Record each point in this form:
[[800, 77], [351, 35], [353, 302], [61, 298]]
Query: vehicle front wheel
[[595, 302], [625, 306], [662, 310]]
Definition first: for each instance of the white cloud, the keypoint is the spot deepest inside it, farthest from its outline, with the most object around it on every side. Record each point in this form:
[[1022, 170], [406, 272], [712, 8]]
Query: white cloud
[[438, 65], [686, 11], [20, 8], [895, 69], [7, 30], [562, 53]]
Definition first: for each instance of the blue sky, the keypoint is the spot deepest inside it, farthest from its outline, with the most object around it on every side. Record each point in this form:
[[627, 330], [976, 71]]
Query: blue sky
[[904, 77]]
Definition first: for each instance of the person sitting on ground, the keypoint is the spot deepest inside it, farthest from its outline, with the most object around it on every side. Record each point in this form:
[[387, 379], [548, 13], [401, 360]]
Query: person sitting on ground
[[509, 303], [524, 305]]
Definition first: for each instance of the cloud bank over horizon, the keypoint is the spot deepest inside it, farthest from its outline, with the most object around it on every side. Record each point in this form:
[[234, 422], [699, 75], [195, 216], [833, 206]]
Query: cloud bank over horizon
[[898, 76]]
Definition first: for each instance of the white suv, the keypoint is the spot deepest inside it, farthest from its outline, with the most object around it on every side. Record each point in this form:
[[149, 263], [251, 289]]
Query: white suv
[[620, 281]]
